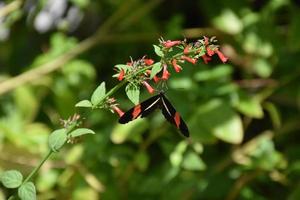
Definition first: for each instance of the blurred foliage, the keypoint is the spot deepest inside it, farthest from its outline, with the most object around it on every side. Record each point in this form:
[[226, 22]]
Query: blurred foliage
[[243, 116]]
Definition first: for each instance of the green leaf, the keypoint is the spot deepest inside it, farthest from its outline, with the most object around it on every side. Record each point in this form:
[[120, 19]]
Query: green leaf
[[176, 156], [249, 105], [123, 132], [122, 66], [221, 22], [262, 67], [81, 3], [155, 69], [57, 139], [27, 191], [217, 73], [142, 161], [81, 131], [84, 103], [98, 94], [216, 118], [192, 161], [11, 178], [158, 51], [133, 93]]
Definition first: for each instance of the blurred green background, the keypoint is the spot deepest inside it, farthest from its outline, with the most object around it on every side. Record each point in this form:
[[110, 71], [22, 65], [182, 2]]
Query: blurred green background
[[243, 116]]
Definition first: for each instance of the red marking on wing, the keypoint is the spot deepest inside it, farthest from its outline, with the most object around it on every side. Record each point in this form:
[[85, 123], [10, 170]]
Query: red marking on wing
[[177, 119], [136, 111]]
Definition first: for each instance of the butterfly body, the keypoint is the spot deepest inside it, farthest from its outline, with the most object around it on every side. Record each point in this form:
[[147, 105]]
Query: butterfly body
[[148, 106]]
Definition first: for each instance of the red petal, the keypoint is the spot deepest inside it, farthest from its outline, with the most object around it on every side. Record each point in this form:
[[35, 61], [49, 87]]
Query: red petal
[[118, 110], [205, 58], [166, 74], [149, 88], [148, 61], [177, 68], [188, 59], [121, 75], [221, 56], [209, 51], [169, 43], [186, 50]]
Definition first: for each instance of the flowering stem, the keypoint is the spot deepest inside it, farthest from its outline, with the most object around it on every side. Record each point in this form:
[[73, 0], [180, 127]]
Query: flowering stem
[[37, 168]]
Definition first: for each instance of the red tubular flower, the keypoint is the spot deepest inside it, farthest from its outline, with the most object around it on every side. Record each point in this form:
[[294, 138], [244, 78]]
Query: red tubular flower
[[177, 67], [209, 51], [129, 63], [222, 57], [206, 59], [186, 50], [155, 79], [121, 75], [117, 110], [188, 59], [148, 61], [169, 43], [166, 74], [206, 42], [148, 86]]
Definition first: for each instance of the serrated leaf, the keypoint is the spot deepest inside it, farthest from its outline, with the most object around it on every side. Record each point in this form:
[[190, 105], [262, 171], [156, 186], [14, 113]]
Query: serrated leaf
[[84, 103], [57, 139], [155, 69], [133, 93], [27, 191], [158, 51], [81, 131], [11, 178], [98, 94]]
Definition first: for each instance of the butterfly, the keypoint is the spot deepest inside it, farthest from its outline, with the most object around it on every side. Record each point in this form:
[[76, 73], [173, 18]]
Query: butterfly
[[148, 106]]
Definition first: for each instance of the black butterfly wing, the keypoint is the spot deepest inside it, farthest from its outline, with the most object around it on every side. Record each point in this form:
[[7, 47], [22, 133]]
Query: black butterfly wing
[[173, 116], [143, 109]]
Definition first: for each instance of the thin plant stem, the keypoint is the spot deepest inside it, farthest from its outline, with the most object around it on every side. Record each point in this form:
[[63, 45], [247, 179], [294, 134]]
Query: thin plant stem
[[37, 168]]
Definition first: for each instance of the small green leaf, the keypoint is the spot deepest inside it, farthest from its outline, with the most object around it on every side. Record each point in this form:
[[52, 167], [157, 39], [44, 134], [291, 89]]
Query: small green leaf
[[249, 105], [122, 66], [124, 132], [133, 93], [81, 131], [84, 103], [11, 179], [158, 51], [193, 162], [27, 191], [155, 69], [57, 139], [98, 94]]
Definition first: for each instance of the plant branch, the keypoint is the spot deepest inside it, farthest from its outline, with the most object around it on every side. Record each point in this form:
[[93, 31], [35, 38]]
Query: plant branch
[[37, 168], [7, 9], [53, 65]]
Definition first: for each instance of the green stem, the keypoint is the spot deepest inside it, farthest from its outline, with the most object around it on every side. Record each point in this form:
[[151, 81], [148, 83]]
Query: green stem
[[37, 168]]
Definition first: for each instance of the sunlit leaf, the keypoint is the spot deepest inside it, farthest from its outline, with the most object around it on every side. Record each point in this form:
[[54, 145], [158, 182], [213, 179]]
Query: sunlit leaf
[[81, 131], [84, 103], [158, 51], [98, 94], [27, 191], [217, 118], [123, 132], [155, 69], [192, 161], [57, 139], [133, 93], [11, 178]]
